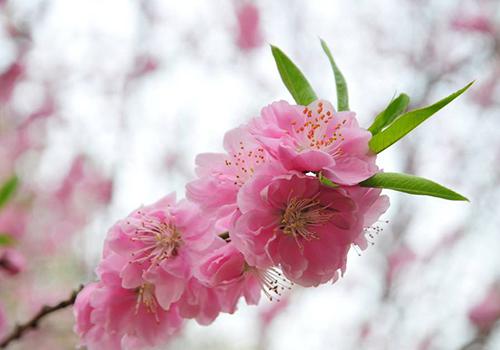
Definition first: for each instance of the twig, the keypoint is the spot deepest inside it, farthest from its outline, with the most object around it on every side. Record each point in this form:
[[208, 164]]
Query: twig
[[20, 329]]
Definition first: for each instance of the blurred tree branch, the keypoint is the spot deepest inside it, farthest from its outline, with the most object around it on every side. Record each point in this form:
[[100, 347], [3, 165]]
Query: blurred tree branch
[[21, 329]]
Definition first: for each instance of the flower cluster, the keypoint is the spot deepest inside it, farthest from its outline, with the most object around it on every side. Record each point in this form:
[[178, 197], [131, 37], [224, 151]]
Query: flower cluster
[[257, 219]]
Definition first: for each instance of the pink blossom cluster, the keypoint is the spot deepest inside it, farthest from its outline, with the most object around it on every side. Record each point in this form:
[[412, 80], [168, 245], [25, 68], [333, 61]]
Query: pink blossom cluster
[[257, 219]]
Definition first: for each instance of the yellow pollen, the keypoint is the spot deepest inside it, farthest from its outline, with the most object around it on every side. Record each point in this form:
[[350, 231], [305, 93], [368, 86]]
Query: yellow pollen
[[160, 240], [319, 124], [246, 159]]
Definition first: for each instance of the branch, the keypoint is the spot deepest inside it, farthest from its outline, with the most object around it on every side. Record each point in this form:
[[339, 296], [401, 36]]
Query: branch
[[20, 329]]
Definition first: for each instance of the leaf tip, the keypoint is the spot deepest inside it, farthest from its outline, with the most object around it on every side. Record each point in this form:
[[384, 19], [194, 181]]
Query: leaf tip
[[466, 87], [459, 197], [275, 50], [325, 47], [470, 84]]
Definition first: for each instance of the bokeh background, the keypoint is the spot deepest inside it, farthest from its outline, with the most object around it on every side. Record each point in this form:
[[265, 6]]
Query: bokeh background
[[105, 103]]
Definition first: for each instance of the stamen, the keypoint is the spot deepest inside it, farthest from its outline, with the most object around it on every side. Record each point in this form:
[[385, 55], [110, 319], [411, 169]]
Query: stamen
[[161, 240], [301, 215], [373, 231], [315, 129], [272, 282], [358, 251], [146, 298], [246, 160]]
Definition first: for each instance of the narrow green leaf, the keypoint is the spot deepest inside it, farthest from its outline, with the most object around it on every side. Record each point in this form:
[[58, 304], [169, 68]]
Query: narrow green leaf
[[393, 110], [340, 83], [8, 189], [6, 239], [294, 80], [327, 182], [411, 184], [409, 121]]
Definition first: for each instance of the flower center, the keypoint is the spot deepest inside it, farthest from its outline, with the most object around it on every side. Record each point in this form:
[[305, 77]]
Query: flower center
[[161, 240], [301, 215], [146, 298], [319, 130]]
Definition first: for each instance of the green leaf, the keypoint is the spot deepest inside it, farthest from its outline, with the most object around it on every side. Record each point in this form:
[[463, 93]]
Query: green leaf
[[6, 239], [327, 182], [409, 121], [294, 80], [393, 110], [8, 189], [340, 83], [411, 184]]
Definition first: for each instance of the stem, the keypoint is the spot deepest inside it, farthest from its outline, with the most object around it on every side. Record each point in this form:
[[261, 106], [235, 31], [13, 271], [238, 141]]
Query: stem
[[20, 329]]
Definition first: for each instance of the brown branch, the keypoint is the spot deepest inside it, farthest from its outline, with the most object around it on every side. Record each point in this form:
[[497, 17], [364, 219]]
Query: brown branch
[[20, 329]]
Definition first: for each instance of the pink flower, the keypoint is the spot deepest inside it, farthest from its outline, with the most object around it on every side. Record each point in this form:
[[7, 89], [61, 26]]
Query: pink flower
[[199, 302], [92, 335], [222, 266], [249, 35], [157, 244], [486, 313], [109, 316], [305, 228], [316, 138], [82, 309], [220, 175], [371, 204], [136, 314], [12, 261], [226, 270]]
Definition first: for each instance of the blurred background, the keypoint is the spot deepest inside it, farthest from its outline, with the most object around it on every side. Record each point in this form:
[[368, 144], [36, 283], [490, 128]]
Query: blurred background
[[105, 103]]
